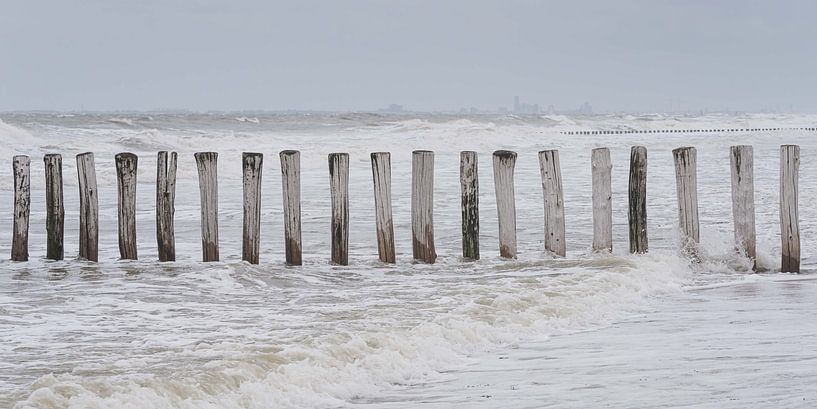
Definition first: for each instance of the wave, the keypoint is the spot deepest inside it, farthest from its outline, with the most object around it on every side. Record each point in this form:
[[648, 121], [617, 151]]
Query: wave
[[392, 341], [122, 121]]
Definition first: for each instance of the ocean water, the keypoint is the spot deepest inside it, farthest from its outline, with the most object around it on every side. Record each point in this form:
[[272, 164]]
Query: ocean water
[[589, 330]]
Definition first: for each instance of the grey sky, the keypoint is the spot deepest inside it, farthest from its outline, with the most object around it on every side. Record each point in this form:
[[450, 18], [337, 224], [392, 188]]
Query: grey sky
[[429, 55]]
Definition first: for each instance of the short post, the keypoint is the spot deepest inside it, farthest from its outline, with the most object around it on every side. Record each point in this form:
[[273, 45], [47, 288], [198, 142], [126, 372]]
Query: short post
[[422, 206], [126, 164], [637, 215], [789, 218], [743, 200], [339, 191], [601, 167], [381, 177], [166, 205], [207, 165], [504, 163], [21, 165], [554, 202], [252, 164], [291, 179], [469, 187], [686, 183], [54, 208], [88, 208]]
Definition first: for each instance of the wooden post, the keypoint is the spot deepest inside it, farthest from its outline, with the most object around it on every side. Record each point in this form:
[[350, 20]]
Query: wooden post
[[422, 206], [253, 164], [381, 177], [601, 167], [207, 164], [469, 186], [88, 208], [291, 179], [686, 179], [339, 191], [504, 163], [126, 164], [743, 200], [166, 205], [789, 218], [21, 166], [554, 202], [54, 208], [637, 215]]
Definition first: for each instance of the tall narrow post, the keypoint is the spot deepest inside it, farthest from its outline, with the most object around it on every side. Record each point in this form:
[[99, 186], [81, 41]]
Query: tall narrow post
[[54, 208], [554, 202], [686, 179], [88, 208], [166, 205], [743, 199], [469, 186], [21, 165], [291, 179], [253, 164], [207, 165], [789, 218], [504, 163], [381, 177], [601, 167], [637, 215], [339, 191], [126, 164], [422, 206]]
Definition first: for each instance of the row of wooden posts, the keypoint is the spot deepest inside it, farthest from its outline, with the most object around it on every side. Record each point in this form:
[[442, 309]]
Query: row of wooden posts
[[421, 204], [685, 131]]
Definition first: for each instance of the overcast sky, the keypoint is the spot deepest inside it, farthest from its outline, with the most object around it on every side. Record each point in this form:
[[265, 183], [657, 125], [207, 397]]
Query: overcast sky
[[427, 55]]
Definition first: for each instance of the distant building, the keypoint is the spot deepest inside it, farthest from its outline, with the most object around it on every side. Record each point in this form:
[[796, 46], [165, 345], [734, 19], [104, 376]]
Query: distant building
[[524, 108], [586, 108], [394, 108]]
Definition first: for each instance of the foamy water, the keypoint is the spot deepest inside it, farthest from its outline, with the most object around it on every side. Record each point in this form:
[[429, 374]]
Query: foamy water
[[230, 335]]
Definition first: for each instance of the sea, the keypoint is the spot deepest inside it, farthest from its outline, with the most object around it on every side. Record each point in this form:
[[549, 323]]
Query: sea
[[655, 330]]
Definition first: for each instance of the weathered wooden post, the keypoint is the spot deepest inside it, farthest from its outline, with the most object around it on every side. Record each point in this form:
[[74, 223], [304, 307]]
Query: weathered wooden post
[[422, 206], [166, 205], [54, 208], [291, 179], [21, 166], [686, 179], [469, 186], [789, 218], [637, 214], [126, 164], [381, 178], [207, 165], [88, 208], [554, 202], [743, 199], [504, 163], [253, 164], [339, 192], [601, 167]]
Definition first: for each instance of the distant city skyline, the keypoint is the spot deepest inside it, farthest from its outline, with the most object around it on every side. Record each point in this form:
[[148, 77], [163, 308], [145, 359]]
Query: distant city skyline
[[622, 56]]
